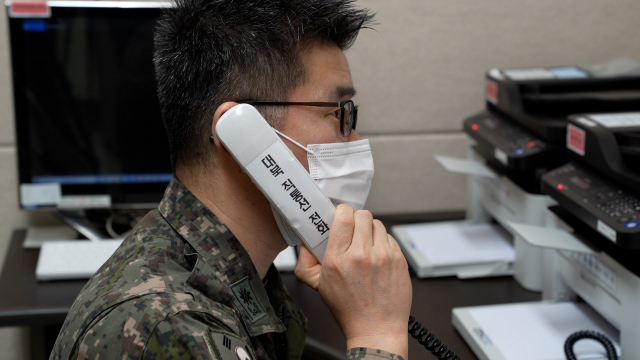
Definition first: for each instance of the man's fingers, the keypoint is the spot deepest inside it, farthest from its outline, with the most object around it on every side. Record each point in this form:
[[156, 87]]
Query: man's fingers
[[380, 236], [363, 231], [308, 268], [341, 231]]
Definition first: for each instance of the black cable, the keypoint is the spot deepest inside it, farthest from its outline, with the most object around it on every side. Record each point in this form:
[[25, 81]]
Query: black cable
[[430, 342], [586, 334]]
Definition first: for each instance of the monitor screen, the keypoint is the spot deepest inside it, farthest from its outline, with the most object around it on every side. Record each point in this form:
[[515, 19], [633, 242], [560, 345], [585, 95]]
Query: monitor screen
[[89, 131]]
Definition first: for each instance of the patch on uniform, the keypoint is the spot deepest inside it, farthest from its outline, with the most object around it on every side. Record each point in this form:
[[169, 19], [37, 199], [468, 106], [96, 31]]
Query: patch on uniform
[[230, 347], [247, 299]]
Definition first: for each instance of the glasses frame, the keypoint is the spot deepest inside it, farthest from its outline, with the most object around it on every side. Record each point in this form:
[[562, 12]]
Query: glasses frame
[[341, 105]]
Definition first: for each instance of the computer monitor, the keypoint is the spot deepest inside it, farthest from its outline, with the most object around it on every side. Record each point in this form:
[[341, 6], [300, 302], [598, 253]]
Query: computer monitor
[[88, 126]]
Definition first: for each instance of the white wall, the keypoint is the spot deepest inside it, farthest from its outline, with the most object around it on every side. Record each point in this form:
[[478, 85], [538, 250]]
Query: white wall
[[418, 75], [421, 72]]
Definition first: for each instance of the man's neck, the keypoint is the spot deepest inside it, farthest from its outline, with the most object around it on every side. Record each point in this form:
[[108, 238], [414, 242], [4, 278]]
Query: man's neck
[[239, 204]]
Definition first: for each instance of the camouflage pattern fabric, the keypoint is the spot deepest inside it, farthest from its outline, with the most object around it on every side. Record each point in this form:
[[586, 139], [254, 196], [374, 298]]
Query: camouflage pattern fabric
[[370, 354], [181, 286]]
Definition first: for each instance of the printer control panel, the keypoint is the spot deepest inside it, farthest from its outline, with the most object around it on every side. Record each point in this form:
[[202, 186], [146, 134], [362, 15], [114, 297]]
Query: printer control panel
[[507, 136], [604, 206], [501, 140]]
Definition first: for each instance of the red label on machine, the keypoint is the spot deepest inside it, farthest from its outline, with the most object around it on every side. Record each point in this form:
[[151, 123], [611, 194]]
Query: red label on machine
[[576, 139], [492, 92], [29, 8]]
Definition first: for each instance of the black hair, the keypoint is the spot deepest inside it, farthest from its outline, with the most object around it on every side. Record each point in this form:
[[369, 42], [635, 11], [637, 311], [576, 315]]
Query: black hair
[[208, 52]]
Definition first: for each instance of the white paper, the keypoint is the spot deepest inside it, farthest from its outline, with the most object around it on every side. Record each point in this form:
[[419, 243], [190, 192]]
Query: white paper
[[528, 74], [550, 238], [569, 72], [461, 243], [40, 194], [286, 260], [464, 166], [616, 67], [537, 331], [84, 201], [617, 120]]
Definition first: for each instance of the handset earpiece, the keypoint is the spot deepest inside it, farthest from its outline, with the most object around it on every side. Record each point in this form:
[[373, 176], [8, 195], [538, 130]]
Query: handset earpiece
[[278, 174]]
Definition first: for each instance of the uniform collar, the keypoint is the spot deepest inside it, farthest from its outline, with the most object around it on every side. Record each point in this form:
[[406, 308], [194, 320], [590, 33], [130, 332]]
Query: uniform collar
[[229, 275]]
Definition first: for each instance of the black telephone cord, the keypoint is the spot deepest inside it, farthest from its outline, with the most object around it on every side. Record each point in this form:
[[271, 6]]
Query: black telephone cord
[[430, 342], [585, 334]]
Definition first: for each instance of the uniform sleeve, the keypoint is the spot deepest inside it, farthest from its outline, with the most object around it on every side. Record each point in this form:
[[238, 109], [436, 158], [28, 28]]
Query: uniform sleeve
[[182, 336], [371, 354]]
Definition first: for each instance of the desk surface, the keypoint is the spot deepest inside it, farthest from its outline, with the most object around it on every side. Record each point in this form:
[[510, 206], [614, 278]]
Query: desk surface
[[27, 302]]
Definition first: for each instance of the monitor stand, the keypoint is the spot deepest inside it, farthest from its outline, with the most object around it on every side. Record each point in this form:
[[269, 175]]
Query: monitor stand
[[78, 221]]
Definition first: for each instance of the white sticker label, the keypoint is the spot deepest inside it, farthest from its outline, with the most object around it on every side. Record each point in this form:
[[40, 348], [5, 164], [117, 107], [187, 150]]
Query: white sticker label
[[597, 268], [606, 230], [617, 120], [501, 156], [84, 202], [288, 185], [40, 194], [528, 74]]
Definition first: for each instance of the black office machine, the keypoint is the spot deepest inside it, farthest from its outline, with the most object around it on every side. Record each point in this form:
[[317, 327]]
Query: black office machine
[[521, 136], [523, 129], [540, 99], [601, 184], [591, 245], [502, 141]]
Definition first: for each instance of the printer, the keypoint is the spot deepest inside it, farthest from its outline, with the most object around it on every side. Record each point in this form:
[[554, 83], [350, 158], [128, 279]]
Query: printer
[[540, 99], [601, 183], [523, 127], [590, 242], [521, 135]]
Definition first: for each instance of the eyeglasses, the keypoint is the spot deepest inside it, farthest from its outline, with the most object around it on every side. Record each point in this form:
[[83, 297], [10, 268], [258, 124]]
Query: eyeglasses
[[348, 111]]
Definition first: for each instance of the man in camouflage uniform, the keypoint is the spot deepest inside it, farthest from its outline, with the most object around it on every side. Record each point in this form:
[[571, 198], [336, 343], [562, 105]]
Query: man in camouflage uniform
[[195, 279]]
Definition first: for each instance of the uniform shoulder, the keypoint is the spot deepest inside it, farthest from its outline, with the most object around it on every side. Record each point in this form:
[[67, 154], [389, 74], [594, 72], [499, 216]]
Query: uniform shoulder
[[152, 251], [189, 335], [174, 323]]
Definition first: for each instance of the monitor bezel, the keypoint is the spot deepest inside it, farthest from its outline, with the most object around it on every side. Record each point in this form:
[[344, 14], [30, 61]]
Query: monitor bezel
[[122, 195]]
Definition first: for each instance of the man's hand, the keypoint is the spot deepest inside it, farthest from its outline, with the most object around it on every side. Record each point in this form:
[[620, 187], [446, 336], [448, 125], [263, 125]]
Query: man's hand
[[364, 280]]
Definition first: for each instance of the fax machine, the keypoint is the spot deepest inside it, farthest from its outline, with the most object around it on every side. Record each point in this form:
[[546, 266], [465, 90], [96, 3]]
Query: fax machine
[[601, 184], [523, 128], [590, 244], [540, 99], [520, 136]]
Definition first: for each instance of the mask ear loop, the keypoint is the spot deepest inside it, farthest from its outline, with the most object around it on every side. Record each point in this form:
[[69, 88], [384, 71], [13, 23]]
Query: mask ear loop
[[293, 141]]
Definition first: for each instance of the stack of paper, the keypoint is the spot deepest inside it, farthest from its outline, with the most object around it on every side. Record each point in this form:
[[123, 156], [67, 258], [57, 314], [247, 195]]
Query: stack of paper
[[532, 330], [456, 248]]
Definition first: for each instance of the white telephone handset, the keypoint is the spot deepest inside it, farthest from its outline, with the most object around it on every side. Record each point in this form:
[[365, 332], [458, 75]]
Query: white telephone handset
[[278, 174]]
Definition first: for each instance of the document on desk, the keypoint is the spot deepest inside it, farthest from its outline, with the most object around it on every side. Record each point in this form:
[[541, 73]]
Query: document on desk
[[456, 248], [286, 261], [532, 331]]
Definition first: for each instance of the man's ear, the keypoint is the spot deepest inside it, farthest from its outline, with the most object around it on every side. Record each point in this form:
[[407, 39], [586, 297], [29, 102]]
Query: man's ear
[[223, 108]]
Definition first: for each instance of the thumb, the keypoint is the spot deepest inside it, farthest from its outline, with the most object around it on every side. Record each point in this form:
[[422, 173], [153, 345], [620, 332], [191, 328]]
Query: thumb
[[308, 268]]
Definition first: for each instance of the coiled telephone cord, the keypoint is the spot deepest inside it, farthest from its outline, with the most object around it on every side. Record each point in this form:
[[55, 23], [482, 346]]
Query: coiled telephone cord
[[430, 342], [585, 334]]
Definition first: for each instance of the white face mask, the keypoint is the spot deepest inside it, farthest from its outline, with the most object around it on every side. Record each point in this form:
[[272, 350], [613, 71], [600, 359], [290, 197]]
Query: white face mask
[[343, 171]]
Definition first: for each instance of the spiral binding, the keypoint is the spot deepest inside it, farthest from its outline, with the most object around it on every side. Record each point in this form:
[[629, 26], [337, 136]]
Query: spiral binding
[[430, 342], [585, 334]]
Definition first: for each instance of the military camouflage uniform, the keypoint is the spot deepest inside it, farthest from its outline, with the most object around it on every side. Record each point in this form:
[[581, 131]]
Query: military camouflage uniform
[[182, 287]]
